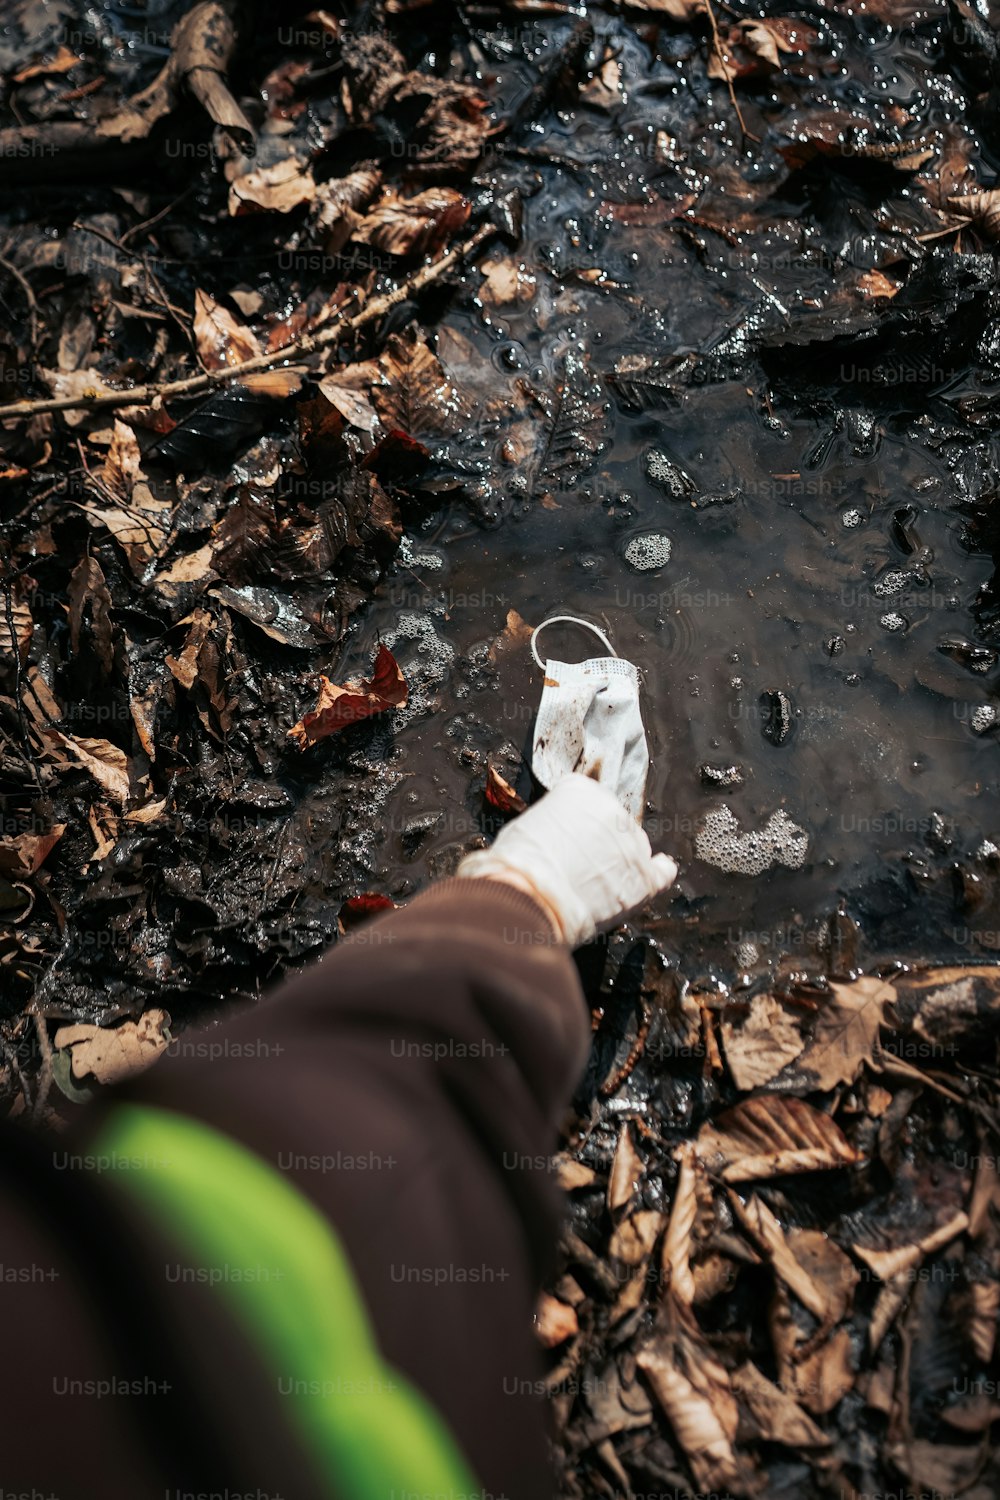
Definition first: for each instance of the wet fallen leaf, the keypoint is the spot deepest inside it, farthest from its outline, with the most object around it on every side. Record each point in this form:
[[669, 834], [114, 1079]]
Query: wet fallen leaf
[[122, 469], [338, 707], [140, 528], [16, 626], [501, 795], [693, 1388], [415, 395], [626, 1171], [112, 1054], [889, 1263], [845, 1034], [554, 1321], [769, 1136], [62, 61], [876, 284], [357, 910], [108, 765], [88, 594], [22, 855], [275, 189], [981, 210], [220, 338], [758, 1045], [413, 226], [777, 1417], [349, 389]]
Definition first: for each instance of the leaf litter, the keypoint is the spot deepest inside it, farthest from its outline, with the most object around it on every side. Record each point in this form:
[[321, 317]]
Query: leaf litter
[[781, 1269]]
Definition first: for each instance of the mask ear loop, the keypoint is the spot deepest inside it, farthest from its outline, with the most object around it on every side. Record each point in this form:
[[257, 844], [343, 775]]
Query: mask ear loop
[[567, 620]]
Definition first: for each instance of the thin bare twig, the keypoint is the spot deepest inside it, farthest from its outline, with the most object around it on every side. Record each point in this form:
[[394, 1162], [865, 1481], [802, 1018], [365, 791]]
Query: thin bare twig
[[717, 44], [341, 327]]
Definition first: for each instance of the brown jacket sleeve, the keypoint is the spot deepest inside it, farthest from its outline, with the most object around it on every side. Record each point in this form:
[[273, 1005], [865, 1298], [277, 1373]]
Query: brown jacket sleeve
[[411, 1084]]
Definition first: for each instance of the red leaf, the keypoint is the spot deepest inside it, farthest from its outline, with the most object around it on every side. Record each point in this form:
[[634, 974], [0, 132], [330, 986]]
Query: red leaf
[[359, 909], [501, 795], [339, 706]]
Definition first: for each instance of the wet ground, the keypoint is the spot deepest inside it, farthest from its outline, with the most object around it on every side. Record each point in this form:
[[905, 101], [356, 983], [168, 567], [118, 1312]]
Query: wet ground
[[724, 382], [818, 548]]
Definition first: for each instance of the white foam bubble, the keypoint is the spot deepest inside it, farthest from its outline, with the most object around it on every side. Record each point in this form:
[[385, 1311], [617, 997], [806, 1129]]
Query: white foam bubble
[[983, 718], [893, 621], [412, 557], [890, 583], [851, 518], [424, 667], [648, 551], [722, 843]]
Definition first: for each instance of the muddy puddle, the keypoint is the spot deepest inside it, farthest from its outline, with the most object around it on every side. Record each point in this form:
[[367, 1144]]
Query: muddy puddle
[[818, 690]]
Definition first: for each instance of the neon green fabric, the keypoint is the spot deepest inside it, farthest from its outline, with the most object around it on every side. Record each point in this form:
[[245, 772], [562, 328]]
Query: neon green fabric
[[368, 1430]]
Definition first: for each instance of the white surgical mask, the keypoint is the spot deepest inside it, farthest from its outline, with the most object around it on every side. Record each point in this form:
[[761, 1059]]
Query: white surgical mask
[[589, 720]]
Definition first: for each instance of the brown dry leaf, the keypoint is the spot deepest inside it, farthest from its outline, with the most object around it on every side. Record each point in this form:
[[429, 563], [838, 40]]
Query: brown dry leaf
[[675, 1254], [772, 1135], [111, 1054], [767, 1232], [633, 1240], [185, 666], [777, 1417], [275, 189], [62, 62], [506, 282], [335, 212], [846, 1032], [889, 1263], [190, 567], [759, 1046], [108, 765], [940, 1469], [756, 46], [413, 226], [571, 1173], [981, 210], [104, 827], [23, 628], [340, 706], [220, 339], [140, 530], [985, 1194], [626, 1171], [693, 1389], [516, 633], [891, 1297], [348, 389], [830, 1269], [681, 11], [875, 284], [75, 385], [27, 852], [416, 396], [983, 1322], [554, 1321], [817, 1377], [122, 469], [501, 795], [148, 813], [88, 587]]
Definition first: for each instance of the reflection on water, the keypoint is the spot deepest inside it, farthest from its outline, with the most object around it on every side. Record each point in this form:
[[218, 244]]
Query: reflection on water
[[805, 563]]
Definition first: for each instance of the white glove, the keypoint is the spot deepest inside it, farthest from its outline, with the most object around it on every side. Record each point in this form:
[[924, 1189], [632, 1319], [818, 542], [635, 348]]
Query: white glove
[[581, 853]]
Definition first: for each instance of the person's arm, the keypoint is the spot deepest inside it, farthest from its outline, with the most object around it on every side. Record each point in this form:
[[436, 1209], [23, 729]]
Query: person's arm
[[410, 1086]]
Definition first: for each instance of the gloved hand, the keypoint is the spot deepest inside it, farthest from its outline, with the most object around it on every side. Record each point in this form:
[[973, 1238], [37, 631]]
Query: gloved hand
[[581, 854]]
